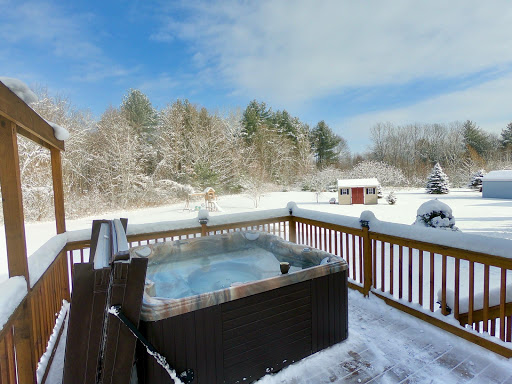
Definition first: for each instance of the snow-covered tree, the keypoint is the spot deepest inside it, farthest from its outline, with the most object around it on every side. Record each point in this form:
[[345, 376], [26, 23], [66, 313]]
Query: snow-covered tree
[[476, 179], [391, 198], [380, 195], [437, 182], [387, 175], [435, 214]]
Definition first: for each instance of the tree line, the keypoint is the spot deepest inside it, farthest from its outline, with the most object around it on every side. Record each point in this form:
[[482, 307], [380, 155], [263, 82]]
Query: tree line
[[136, 155]]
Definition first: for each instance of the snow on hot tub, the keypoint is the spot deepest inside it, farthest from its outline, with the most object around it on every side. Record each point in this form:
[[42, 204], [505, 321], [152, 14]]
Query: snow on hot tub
[[186, 275]]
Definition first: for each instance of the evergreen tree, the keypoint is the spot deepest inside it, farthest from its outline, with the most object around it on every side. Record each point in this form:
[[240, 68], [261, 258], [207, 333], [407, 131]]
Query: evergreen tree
[[327, 145], [476, 179], [255, 115], [142, 118], [476, 138], [437, 182], [140, 114], [506, 137]]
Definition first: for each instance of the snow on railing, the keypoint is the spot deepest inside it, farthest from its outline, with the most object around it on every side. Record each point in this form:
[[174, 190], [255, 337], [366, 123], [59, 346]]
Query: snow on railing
[[13, 291]]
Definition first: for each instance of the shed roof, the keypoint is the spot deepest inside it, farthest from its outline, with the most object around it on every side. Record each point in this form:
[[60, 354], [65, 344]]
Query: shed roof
[[502, 175], [350, 183]]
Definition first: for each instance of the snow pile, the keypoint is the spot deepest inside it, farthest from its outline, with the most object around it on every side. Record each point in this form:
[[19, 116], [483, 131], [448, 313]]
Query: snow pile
[[203, 214], [437, 182], [20, 89], [59, 132], [478, 300], [13, 291], [43, 362], [435, 214]]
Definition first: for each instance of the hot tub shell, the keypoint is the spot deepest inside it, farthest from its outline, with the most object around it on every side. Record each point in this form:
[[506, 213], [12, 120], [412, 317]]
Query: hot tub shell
[[241, 333]]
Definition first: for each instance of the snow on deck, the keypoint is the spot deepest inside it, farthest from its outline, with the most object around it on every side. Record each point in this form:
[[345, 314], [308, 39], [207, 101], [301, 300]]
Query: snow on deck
[[389, 346], [384, 346]]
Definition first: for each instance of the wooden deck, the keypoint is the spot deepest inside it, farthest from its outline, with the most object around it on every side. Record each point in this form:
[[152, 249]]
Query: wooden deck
[[386, 345]]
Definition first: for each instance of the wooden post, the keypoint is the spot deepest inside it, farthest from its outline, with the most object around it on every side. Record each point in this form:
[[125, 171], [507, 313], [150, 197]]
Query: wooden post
[[293, 230], [367, 256], [23, 341], [204, 230], [58, 190], [12, 201]]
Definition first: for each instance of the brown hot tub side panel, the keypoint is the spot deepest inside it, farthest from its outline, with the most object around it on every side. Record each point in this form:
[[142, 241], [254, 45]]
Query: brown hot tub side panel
[[246, 337]]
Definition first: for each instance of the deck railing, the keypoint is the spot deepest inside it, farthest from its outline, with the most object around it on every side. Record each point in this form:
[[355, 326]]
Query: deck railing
[[404, 272]]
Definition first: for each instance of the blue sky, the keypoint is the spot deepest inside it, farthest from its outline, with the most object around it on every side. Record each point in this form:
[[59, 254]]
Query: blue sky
[[352, 64]]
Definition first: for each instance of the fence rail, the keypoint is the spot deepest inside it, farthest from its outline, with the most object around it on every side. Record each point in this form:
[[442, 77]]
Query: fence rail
[[399, 270]]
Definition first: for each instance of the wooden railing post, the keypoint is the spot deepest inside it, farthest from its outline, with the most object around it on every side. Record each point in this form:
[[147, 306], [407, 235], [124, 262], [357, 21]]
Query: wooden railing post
[[292, 230], [58, 190], [367, 258], [24, 344]]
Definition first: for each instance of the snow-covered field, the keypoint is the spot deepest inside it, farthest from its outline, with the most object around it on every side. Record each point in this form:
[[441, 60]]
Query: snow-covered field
[[489, 217]]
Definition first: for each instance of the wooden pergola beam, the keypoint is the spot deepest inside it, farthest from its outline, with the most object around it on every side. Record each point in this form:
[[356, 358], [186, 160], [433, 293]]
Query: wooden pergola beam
[[29, 123]]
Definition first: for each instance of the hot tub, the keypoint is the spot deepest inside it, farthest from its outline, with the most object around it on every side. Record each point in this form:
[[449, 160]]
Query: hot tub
[[221, 306]]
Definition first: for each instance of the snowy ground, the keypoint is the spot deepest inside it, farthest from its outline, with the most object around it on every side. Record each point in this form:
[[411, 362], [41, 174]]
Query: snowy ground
[[490, 217], [384, 346]]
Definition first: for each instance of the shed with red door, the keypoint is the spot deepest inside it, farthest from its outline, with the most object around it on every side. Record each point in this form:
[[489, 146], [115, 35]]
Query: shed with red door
[[358, 191]]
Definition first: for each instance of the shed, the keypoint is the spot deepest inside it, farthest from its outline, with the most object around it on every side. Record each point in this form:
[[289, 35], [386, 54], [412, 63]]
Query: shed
[[497, 184], [358, 191]]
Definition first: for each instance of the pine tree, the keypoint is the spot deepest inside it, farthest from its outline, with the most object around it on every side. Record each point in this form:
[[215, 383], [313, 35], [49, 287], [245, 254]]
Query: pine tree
[[437, 182], [327, 144], [476, 179], [506, 137], [476, 138]]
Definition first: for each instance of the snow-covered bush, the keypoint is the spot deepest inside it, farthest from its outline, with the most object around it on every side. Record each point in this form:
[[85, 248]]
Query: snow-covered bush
[[437, 182], [380, 195], [435, 214], [391, 198], [387, 175], [476, 179]]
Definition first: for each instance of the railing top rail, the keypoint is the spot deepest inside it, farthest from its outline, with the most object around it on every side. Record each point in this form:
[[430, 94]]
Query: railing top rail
[[458, 253], [456, 242]]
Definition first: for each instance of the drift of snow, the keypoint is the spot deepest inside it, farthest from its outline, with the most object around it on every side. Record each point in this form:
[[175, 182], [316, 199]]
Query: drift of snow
[[478, 300], [59, 132], [13, 291], [43, 362], [20, 89]]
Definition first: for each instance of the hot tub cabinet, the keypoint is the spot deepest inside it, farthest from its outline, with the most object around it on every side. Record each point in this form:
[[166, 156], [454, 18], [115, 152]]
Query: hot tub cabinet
[[239, 334]]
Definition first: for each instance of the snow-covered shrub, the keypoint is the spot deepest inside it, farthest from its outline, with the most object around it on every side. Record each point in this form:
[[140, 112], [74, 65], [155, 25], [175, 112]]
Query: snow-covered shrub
[[391, 198], [435, 214], [437, 182], [380, 195], [476, 179]]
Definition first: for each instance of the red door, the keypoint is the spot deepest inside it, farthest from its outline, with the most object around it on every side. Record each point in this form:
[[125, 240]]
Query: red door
[[357, 196]]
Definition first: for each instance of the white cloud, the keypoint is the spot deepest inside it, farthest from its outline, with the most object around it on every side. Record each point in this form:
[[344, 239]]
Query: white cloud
[[487, 104], [46, 26], [297, 51]]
